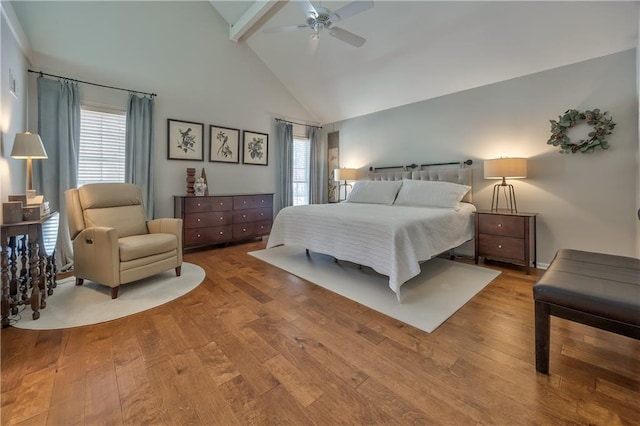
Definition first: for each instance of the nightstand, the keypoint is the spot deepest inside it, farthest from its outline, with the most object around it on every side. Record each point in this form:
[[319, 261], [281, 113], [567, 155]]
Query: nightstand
[[506, 237]]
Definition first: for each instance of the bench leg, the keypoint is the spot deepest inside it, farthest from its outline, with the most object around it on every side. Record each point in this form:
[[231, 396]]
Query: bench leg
[[543, 329]]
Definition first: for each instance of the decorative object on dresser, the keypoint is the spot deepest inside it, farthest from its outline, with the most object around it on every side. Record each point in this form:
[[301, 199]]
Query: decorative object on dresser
[[502, 168], [506, 237], [28, 146], [255, 147], [344, 174], [191, 180], [224, 144], [185, 140], [31, 245], [217, 219]]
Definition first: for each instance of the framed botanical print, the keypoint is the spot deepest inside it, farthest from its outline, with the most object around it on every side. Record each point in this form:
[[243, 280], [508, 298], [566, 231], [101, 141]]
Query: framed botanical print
[[255, 148], [185, 140], [224, 144]]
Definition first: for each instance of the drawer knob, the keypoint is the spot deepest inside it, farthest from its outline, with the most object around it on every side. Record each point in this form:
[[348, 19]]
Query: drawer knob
[[221, 218], [244, 215], [261, 227], [261, 214], [198, 204], [499, 246], [499, 225], [198, 219], [220, 232], [244, 230], [262, 201], [244, 202], [198, 235], [221, 203]]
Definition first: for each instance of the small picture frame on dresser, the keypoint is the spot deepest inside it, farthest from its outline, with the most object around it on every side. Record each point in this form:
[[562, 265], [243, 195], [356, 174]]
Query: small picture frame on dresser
[[185, 140], [255, 148]]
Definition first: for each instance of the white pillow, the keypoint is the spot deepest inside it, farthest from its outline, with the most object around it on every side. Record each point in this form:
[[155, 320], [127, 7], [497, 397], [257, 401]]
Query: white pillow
[[428, 193], [374, 191]]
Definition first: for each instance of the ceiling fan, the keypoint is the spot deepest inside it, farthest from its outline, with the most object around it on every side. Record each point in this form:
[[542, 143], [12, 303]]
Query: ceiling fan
[[319, 18]]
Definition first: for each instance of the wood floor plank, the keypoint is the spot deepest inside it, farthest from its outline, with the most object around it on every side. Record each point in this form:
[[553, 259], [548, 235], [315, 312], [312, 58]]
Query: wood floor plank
[[254, 344]]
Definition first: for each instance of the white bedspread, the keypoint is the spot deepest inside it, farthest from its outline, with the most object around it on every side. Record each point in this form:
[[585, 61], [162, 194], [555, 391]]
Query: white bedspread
[[390, 239]]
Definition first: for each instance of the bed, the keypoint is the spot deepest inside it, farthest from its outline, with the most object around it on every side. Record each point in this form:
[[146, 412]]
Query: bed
[[386, 223]]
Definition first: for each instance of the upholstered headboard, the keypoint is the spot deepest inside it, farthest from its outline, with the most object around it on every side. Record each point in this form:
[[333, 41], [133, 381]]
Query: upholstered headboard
[[461, 175]]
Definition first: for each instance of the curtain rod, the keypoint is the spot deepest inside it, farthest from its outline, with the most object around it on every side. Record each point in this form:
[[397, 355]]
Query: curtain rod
[[299, 124], [413, 166], [93, 84]]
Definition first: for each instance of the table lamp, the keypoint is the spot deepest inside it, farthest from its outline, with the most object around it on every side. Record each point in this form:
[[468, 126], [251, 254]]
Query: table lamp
[[28, 146], [502, 168], [344, 174]]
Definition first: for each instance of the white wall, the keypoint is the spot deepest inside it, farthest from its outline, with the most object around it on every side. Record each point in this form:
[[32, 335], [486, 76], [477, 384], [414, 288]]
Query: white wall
[[584, 201], [13, 109], [182, 52]]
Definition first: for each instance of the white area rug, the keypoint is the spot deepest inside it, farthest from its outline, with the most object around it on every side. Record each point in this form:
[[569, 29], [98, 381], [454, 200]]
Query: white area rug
[[91, 303], [428, 300]]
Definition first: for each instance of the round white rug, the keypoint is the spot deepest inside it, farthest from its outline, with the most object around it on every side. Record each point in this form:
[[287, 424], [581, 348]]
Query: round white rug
[[91, 303]]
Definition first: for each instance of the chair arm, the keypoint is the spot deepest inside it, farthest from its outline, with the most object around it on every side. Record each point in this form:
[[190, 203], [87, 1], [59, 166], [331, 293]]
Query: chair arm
[[168, 226], [97, 255]]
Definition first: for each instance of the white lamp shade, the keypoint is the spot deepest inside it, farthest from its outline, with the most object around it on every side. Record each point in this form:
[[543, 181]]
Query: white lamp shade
[[345, 174], [499, 168], [28, 145]]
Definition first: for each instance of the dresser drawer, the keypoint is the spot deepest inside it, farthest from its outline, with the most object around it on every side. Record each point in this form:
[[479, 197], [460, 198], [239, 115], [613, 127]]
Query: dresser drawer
[[495, 224], [199, 237], [207, 204], [500, 247], [205, 219], [241, 202], [252, 229], [253, 215]]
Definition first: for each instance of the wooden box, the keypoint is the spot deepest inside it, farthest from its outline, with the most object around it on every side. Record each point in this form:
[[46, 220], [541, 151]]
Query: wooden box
[[12, 212], [31, 213]]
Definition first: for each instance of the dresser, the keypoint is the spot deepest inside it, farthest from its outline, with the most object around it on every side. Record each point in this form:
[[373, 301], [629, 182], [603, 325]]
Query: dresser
[[214, 219], [506, 237]]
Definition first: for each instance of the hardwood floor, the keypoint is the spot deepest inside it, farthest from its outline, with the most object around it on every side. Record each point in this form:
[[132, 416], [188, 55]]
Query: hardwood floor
[[256, 345]]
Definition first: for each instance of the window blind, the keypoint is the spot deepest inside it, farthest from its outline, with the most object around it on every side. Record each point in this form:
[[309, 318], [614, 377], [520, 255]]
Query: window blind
[[300, 178], [102, 146]]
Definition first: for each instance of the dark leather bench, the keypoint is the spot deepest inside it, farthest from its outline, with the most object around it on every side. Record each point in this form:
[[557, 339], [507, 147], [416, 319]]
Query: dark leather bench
[[599, 290]]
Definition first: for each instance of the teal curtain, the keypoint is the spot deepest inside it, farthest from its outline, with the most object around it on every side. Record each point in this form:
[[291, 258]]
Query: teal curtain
[[59, 128], [318, 167], [284, 140], [139, 147]]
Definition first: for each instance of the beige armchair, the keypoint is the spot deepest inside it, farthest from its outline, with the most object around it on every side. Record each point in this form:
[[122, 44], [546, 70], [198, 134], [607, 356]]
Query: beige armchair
[[113, 243]]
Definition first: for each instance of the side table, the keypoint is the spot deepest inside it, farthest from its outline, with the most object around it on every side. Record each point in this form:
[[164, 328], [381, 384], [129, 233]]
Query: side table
[[507, 237], [27, 264]]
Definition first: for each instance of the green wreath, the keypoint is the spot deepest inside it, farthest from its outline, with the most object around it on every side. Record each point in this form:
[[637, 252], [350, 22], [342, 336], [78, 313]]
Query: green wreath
[[602, 127]]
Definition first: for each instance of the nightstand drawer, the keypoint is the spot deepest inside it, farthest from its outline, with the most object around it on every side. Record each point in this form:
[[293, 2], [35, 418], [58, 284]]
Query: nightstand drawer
[[500, 247], [495, 224]]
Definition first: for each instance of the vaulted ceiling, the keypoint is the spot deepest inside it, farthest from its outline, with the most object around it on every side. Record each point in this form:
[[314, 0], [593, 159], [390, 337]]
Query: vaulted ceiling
[[414, 50], [417, 50]]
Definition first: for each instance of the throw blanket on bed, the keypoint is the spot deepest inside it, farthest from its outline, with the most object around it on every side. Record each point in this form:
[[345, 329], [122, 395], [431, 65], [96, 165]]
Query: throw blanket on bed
[[390, 239]]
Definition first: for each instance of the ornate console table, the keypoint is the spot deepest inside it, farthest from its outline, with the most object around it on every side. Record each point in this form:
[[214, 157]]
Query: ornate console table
[[27, 262]]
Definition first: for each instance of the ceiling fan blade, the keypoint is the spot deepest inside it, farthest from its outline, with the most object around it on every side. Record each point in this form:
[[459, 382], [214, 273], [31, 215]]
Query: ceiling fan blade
[[287, 28], [347, 36], [307, 7], [349, 10]]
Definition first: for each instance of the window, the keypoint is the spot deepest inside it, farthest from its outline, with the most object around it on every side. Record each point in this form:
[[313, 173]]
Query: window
[[300, 181], [102, 146]]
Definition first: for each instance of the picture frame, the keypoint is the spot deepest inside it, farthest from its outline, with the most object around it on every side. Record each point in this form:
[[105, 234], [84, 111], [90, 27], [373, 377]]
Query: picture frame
[[224, 144], [185, 140], [255, 148]]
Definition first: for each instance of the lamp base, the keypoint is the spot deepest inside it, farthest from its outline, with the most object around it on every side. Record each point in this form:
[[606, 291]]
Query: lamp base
[[509, 196], [340, 185]]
